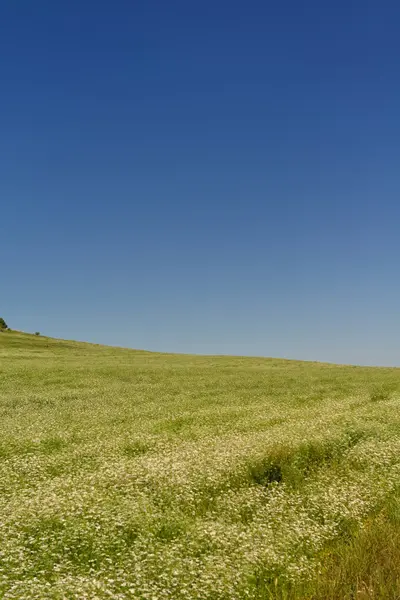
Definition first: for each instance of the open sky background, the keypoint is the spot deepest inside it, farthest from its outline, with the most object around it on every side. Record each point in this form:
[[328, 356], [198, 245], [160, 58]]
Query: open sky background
[[207, 177]]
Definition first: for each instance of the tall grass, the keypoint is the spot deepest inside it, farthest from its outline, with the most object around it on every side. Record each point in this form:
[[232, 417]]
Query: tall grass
[[127, 474], [364, 565]]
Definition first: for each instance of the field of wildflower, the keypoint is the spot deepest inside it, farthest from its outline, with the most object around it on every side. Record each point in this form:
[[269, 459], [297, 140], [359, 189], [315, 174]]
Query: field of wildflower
[[135, 475]]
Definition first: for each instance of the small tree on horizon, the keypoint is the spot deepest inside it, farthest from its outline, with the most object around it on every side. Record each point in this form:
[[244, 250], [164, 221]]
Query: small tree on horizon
[[3, 324]]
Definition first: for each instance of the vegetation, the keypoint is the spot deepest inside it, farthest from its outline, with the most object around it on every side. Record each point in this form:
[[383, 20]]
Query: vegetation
[[132, 475], [3, 324]]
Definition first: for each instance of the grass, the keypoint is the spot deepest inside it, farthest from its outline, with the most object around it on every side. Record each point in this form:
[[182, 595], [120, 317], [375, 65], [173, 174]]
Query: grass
[[129, 474]]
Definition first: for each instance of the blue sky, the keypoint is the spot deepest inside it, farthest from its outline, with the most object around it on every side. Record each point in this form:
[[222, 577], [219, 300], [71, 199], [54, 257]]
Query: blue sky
[[208, 177]]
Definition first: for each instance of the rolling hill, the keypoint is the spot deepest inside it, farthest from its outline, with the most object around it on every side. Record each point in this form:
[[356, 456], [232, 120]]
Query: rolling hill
[[131, 474]]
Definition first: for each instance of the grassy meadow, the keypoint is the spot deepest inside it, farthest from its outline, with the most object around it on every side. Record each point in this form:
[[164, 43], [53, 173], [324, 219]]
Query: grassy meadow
[[134, 475]]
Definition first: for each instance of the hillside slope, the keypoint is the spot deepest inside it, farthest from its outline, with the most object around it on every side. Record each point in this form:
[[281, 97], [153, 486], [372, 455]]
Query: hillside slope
[[129, 474]]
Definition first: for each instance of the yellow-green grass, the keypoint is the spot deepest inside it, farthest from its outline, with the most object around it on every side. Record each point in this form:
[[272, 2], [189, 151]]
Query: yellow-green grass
[[130, 474]]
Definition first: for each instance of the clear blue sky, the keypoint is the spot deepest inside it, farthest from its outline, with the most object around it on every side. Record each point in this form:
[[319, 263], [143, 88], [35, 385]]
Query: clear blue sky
[[208, 177]]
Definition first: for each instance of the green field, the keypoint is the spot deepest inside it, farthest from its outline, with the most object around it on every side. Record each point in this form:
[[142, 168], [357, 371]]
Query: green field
[[129, 474]]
